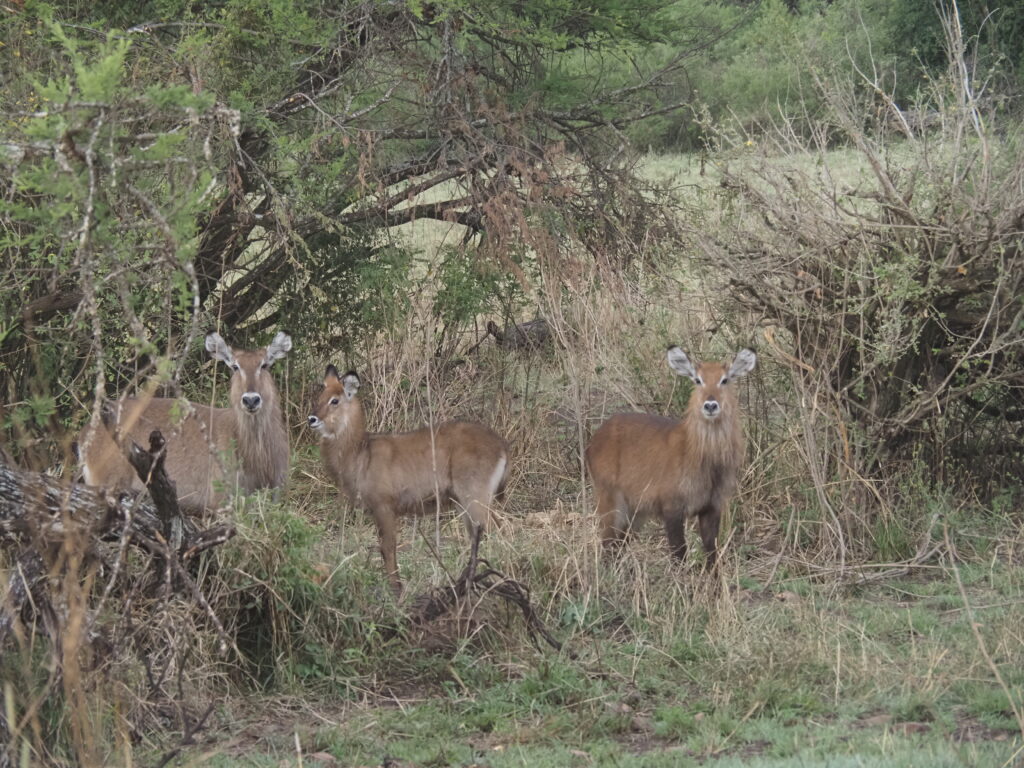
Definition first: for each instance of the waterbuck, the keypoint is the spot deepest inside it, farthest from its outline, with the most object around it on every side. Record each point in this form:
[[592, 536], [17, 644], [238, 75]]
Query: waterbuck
[[645, 466], [457, 463], [211, 452]]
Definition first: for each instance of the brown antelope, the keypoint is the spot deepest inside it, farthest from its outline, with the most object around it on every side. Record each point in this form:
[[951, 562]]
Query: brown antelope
[[211, 452], [645, 466], [460, 463]]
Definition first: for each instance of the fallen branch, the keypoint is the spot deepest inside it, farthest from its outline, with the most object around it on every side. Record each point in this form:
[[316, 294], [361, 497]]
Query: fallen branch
[[927, 550], [45, 511], [42, 518], [39, 514], [150, 468], [188, 738], [440, 600], [22, 588]]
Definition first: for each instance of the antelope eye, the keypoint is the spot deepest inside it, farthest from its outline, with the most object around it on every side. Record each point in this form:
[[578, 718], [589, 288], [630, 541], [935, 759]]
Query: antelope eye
[[264, 366], [334, 401], [725, 380], [234, 366], [699, 381]]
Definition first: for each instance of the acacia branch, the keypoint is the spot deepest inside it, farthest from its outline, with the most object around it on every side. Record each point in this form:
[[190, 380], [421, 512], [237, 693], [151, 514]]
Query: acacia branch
[[443, 211]]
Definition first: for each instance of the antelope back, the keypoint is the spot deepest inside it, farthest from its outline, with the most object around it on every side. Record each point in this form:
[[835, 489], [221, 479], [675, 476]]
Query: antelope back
[[199, 439], [461, 459], [402, 473]]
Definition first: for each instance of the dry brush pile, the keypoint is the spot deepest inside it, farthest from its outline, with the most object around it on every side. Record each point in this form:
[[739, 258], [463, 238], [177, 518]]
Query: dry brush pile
[[893, 292]]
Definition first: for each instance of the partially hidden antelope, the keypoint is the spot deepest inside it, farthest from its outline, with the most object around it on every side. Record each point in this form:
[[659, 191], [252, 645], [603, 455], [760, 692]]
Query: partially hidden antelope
[[460, 464], [211, 452], [646, 466]]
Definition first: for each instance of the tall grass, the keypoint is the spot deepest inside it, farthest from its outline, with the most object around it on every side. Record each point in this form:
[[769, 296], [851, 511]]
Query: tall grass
[[816, 637], [654, 650]]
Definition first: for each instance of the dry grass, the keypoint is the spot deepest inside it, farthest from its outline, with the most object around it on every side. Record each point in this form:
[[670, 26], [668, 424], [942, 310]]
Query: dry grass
[[796, 648]]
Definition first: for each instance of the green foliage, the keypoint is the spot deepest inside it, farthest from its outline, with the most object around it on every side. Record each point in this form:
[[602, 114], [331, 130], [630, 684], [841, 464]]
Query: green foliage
[[381, 289], [354, 291], [765, 67], [915, 707], [35, 412], [103, 179], [992, 707], [893, 541], [466, 287], [290, 625], [995, 35], [124, 160], [675, 722]]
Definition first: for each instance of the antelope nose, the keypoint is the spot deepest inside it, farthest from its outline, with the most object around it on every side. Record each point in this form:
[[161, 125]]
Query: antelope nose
[[313, 420], [711, 408], [251, 401]]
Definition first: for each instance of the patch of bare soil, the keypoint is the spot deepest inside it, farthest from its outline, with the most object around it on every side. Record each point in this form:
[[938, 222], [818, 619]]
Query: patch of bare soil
[[970, 729]]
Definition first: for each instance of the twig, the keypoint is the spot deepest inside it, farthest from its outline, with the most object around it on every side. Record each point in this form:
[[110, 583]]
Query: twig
[[1017, 712], [188, 738], [440, 600], [881, 571]]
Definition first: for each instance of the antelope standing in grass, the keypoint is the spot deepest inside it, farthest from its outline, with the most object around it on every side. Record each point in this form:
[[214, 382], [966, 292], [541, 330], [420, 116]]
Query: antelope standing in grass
[[645, 466], [460, 463], [248, 437]]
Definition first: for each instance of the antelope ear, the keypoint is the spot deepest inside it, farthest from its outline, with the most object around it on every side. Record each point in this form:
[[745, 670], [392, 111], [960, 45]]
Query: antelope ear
[[350, 383], [680, 363], [743, 363], [331, 373], [278, 348], [218, 348]]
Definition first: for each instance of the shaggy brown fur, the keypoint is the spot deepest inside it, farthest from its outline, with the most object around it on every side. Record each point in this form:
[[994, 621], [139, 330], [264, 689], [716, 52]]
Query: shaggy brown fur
[[646, 466], [211, 452], [407, 473]]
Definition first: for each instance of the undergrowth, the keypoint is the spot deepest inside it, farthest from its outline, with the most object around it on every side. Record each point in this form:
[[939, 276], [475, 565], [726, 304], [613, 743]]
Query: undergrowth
[[907, 646]]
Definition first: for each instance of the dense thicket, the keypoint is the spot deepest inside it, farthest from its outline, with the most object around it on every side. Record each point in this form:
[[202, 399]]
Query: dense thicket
[[894, 269], [172, 165], [256, 157]]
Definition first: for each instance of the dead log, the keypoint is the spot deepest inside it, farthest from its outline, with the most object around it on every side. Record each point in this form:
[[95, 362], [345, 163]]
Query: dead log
[[24, 581], [45, 510], [42, 518], [150, 468]]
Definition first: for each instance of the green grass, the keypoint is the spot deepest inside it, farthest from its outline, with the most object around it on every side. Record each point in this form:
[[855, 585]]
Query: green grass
[[780, 663], [658, 668]]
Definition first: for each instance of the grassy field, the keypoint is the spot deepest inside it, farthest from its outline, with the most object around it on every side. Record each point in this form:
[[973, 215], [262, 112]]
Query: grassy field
[[766, 666], [903, 647], [785, 658]]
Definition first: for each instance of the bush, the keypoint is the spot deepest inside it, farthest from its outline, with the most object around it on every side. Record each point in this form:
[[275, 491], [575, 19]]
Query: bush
[[896, 280]]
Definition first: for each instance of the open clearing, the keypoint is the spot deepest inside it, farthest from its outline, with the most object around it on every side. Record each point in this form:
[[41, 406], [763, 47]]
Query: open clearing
[[659, 667]]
